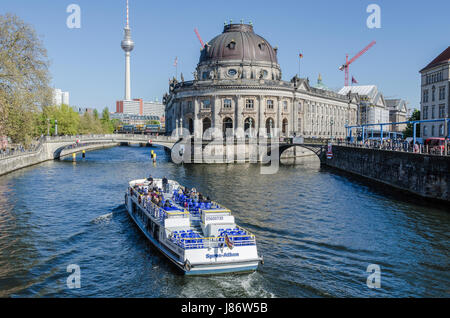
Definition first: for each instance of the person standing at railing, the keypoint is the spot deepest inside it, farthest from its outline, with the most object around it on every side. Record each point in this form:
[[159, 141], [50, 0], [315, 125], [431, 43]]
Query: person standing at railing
[[165, 184]]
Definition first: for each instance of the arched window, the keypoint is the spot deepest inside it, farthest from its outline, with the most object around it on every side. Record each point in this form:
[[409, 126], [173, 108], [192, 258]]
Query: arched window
[[227, 125], [249, 122], [285, 126], [269, 125], [191, 125], [206, 124]]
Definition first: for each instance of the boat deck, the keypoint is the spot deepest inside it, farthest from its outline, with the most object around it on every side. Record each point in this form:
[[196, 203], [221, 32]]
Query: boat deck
[[191, 235]]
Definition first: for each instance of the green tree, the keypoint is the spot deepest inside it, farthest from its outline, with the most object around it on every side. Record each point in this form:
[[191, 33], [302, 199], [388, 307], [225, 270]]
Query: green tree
[[24, 79], [409, 130], [108, 125]]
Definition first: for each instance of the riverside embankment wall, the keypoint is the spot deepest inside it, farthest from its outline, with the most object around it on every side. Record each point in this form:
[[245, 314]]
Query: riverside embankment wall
[[424, 175]]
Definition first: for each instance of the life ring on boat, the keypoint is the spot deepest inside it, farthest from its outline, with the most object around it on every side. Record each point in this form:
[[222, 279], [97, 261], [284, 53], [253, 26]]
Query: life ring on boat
[[187, 265]]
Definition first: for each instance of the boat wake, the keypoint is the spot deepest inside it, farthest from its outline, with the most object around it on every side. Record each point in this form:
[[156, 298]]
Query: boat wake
[[106, 218]]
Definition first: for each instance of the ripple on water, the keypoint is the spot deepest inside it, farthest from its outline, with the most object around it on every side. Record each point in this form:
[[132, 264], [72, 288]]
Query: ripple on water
[[317, 230]]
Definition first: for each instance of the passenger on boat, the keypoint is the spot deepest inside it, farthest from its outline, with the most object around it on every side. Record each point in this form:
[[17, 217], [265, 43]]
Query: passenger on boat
[[165, 184], [150, 180]]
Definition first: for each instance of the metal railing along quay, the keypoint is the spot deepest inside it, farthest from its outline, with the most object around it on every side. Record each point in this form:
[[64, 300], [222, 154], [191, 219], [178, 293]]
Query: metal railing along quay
[[399, 146]]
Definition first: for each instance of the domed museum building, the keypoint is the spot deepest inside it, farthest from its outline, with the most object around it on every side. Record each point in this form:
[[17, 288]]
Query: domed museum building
[[238, 85]]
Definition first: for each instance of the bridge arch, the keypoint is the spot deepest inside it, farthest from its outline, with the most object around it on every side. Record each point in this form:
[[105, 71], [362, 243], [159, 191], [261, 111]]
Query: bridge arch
[[318, 150]]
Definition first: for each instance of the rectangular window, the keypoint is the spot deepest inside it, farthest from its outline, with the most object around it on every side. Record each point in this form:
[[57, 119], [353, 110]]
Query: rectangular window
[[189, 105], [442, 93], [425, 96], [285, 105], [227, 103], [425, 112], [442, 111], [249, 103], [269, 104], [432, 112], [206, 104]]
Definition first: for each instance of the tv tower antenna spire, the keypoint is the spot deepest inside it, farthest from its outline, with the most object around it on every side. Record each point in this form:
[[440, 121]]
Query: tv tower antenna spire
[[128, 46]]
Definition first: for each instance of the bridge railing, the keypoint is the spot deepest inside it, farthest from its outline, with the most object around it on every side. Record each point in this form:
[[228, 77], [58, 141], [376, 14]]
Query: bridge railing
[[112, 137]]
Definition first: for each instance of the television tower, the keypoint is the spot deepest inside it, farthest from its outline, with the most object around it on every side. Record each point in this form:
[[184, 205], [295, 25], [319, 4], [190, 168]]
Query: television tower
[[127, 46]]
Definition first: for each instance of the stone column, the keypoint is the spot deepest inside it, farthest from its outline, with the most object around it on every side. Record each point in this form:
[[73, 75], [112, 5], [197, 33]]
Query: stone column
[[260, 116], [238, 121], [197, 124], [215, 115], [279, 120]]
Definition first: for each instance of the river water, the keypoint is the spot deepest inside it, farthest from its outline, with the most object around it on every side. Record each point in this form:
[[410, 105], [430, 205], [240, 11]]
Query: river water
[[317, 230]]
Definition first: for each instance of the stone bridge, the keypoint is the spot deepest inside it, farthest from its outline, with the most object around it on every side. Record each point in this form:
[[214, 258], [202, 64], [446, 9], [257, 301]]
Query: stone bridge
[[65, 145], [238, 150], [51, 148]]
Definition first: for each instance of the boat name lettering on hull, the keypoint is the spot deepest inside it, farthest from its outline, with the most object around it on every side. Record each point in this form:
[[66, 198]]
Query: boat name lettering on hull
[[222, 255]]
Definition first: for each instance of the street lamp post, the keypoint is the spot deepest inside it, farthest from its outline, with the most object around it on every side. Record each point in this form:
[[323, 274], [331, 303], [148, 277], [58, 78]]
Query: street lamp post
[[48, 126], [56, 127], [331, 124]]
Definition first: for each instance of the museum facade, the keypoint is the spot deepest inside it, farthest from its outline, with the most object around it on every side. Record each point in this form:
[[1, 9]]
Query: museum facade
[[238, 87]]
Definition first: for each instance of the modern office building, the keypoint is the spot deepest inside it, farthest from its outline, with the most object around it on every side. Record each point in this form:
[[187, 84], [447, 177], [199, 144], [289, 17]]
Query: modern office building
[[435, 92], [60, 97], [140, 107]]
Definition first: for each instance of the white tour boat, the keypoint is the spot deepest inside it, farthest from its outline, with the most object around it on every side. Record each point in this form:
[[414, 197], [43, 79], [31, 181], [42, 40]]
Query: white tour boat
[[199, 238]]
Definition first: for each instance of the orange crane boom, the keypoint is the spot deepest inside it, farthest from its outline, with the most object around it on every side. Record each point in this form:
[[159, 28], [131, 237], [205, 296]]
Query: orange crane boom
[[199, 38], [347, 62]]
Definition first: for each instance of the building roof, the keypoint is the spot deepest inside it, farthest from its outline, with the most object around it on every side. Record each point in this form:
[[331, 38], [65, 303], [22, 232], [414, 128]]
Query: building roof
[[396, 104], [238, 42], [369, 91], [444, 57], [363, 90]]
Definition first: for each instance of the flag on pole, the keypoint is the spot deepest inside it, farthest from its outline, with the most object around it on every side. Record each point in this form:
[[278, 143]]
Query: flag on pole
[[354, 80], [176, 62], [228, 242]]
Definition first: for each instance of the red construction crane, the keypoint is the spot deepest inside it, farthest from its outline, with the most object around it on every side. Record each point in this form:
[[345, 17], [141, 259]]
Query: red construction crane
[[199, 38], [345, 67]]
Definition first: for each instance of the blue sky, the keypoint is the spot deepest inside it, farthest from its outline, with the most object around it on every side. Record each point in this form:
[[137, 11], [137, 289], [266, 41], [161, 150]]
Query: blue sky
[[89, 63]]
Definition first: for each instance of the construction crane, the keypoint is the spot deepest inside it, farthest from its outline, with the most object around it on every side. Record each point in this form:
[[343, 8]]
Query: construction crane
[[345, 67], [199, 38]]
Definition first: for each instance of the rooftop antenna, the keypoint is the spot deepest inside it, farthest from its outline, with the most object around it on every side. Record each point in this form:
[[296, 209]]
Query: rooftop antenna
[[128, 15]]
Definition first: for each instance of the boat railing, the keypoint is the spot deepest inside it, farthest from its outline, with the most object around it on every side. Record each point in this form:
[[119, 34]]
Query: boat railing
[[161, 213], [188, 240]]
